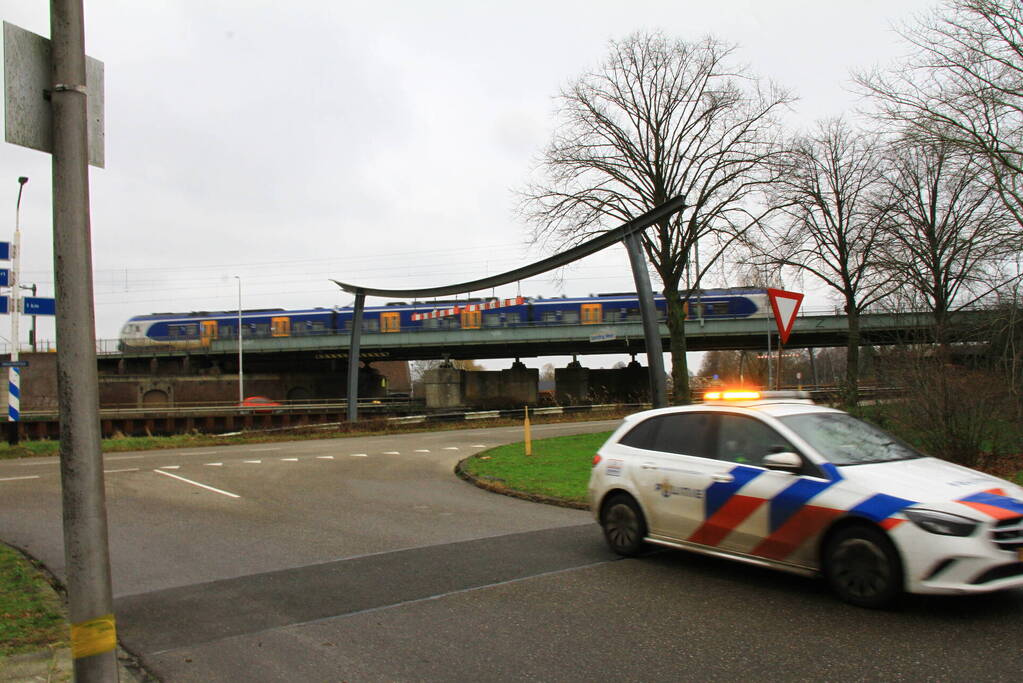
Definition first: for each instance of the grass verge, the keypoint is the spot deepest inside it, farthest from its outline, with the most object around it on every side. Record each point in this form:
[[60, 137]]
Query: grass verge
[[558, 470], [31, 615], [45, 447]]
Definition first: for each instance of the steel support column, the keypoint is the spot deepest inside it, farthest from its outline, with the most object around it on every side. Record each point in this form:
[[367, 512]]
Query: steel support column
[[353, 358], [651, 331]]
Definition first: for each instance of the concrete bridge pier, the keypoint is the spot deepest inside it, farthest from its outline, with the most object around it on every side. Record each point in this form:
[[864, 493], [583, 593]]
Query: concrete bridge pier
[[449, 388], [576, 385]]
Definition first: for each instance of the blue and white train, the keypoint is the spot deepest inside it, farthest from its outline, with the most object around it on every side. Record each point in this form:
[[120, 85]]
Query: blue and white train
[[200, 329]]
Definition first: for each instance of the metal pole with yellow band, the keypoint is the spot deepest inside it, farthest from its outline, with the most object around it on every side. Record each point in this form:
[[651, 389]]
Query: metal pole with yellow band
[[86, 550]]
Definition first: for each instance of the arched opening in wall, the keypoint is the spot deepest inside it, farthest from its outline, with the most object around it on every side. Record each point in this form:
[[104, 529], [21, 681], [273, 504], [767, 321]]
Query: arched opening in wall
[[155, 397], [298, 394]]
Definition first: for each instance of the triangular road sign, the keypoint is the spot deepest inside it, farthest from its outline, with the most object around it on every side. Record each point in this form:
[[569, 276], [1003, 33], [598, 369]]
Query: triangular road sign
[[785, 306]]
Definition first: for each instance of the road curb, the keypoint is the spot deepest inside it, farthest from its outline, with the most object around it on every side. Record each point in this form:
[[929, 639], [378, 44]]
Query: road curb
[[499, 487]]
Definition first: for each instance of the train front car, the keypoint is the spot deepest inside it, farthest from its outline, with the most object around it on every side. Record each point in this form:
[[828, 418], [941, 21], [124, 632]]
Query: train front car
[[135, 333]]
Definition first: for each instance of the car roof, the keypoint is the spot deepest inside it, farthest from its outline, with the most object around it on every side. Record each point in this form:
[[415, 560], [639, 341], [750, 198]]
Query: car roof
[[772, 407]]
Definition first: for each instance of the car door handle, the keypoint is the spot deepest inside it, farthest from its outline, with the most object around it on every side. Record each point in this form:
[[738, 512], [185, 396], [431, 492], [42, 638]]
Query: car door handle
[[722, 477], [649, 466]]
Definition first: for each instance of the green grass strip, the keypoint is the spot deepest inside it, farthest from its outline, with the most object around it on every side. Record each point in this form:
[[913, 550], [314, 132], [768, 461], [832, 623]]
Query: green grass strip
[[558, 468], [31, 616]]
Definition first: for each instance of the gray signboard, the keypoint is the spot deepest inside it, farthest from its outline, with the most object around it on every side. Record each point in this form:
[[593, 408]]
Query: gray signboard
[[27, 85]]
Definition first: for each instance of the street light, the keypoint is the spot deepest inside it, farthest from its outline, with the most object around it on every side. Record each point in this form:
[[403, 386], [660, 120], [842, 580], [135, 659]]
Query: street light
[[241, 381]]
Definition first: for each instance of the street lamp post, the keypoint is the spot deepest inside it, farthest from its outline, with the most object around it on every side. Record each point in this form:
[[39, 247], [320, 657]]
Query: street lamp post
[[241, 380]]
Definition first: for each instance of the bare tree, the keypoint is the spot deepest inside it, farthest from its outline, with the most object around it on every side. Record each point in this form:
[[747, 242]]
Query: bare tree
[[947, 233], [830, 226], [963, 85], [661, 119]]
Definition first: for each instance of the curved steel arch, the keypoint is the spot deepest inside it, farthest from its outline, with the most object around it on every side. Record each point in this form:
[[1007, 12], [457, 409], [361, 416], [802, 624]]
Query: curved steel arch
[[598, 243], [627, 232]]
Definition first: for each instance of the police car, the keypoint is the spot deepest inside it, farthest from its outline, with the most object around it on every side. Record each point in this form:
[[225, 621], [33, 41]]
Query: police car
[[771, 479]]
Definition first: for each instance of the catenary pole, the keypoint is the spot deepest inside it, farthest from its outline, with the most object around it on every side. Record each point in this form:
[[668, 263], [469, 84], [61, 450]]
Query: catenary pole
[[86, 549]]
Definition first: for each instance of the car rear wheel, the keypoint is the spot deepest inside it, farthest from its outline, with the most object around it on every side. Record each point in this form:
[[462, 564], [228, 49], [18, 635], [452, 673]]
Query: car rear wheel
[[624, 525], [862, 567]]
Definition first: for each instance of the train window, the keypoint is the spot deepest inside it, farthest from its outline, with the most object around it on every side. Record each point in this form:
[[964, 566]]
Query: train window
[[431, 323], [514, 318], [634, 314], [570, 317], [316, 327], [492, 320], [261, 330], [590, 313], [470, 320], [370, 324], [226, 331], [550, 316], [611, 316]]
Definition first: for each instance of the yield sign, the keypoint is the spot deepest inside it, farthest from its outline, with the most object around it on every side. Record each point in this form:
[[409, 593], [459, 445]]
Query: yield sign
[[785, 306]]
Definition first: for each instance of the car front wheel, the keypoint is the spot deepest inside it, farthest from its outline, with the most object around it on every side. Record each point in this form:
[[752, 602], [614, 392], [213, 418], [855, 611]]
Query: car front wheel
[[862, 567], [624, 525]]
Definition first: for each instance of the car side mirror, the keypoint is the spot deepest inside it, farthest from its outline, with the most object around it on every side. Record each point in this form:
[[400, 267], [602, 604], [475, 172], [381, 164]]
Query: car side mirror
[[783, 462]]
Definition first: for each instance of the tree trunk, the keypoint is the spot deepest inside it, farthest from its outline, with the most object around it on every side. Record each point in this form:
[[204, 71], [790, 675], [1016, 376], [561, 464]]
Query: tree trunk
[[680, 391], [851, 392]]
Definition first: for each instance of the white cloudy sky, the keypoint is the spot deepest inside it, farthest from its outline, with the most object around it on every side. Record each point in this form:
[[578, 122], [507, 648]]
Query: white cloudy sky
[[376, 143]]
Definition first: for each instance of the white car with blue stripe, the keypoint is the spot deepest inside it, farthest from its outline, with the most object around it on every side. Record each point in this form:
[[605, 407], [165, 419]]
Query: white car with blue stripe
[[772, 479]]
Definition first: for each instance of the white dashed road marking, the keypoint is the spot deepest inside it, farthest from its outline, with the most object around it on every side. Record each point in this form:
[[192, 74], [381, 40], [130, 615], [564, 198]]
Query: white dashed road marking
[[324, 457], [451, 448], [200, 453], [34, 476], [195, 483], [479, 445], [392, 452], [253, 462], [171, 467], [263, 450], [358, 455], [214, 464], [289, 459], [422, 450], [129, 469]]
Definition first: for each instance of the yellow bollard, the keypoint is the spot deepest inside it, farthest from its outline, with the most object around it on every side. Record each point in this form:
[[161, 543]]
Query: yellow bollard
[[529, 441]]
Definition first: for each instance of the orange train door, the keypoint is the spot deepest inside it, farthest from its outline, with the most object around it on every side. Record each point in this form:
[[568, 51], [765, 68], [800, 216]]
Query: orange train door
[[591, 314], [471, 320], [390, 322], [207, 332], [280, 327]]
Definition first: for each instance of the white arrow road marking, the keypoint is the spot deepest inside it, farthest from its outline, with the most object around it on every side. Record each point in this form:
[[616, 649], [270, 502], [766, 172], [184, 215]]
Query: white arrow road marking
[[195, 483], [34, 476]]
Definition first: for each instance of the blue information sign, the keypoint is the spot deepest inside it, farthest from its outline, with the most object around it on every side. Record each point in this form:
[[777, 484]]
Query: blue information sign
[[39, 305], [5, 303], [5, 251], [14, 364], [5, 277]]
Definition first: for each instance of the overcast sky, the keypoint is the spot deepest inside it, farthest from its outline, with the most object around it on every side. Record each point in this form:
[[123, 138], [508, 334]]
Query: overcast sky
[[375, 143]]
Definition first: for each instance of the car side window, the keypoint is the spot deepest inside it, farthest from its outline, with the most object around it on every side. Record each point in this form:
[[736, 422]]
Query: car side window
[[642, 435], [686, 434], [747, 440]]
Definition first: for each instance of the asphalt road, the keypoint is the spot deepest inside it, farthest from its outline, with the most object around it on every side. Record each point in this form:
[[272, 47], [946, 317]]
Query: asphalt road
[[366, 559]]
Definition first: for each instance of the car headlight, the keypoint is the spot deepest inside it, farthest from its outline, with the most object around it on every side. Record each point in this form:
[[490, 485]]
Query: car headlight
[[941, 522]]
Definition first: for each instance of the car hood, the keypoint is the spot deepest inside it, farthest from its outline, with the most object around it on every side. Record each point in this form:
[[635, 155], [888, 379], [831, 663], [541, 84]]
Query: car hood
[[940, 485]]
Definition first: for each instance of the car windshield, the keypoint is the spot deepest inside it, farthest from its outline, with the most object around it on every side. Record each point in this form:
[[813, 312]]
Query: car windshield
[[845, 440]]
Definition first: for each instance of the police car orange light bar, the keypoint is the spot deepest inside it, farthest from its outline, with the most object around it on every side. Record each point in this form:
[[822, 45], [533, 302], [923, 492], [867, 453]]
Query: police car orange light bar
[[731, 395]]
